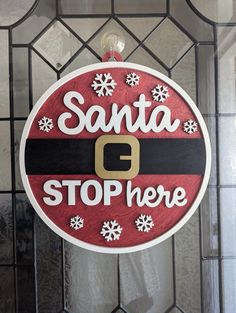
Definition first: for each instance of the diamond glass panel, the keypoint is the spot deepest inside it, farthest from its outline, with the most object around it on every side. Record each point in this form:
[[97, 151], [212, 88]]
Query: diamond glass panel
[[84, 58], [168, 42], [140, 56], [57, 45]]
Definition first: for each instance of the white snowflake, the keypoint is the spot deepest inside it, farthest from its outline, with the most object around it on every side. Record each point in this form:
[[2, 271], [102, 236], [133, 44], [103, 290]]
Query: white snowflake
[[76, 222], [160, 93], [103, 84], [190, 127], [111, 230], [144, 223], [132, 79], [45, 124]]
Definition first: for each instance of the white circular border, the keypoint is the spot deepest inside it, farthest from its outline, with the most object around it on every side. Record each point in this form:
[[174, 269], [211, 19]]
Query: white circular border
[[59, 231]]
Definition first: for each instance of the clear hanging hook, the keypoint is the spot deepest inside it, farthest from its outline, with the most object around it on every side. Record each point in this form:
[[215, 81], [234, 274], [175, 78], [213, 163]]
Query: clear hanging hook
[[112, 43]]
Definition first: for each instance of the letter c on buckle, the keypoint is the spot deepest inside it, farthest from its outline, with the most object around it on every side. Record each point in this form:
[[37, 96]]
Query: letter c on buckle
[[133, 157]]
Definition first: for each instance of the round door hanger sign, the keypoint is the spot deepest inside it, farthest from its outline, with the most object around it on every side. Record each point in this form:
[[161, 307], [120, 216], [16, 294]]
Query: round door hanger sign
[[115, 157]]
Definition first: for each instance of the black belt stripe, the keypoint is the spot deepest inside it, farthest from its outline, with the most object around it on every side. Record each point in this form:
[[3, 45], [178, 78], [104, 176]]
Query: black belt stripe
[[76, 156]]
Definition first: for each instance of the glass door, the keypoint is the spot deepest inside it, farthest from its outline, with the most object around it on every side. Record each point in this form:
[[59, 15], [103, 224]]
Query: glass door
[[191, 41]]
